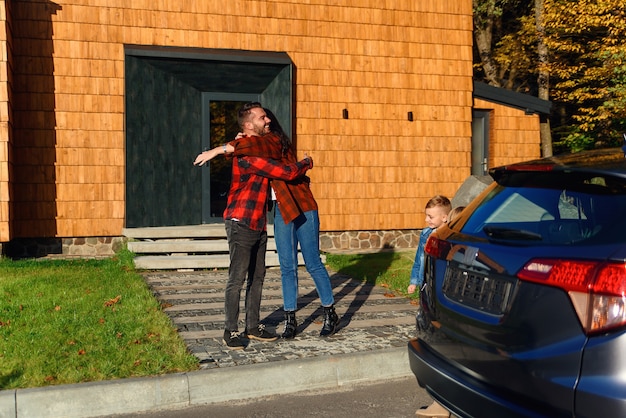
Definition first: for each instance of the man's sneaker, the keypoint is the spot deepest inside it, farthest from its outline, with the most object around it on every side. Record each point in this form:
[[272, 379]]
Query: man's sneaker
[[232, 340], [261, 334]]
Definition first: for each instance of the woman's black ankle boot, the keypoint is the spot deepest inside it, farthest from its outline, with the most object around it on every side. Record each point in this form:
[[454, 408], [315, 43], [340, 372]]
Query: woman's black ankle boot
[[330, 321], [291, 326]]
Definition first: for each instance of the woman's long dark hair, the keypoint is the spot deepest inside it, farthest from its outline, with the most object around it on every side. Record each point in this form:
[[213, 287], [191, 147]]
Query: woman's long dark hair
[[276, 129]]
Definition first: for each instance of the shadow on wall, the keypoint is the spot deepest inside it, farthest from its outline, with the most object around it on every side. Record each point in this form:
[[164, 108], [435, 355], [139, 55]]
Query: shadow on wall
[[34, 139]]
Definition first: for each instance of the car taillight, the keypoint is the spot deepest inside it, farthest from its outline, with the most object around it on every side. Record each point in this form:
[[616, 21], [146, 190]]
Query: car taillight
[[437, 248], [597, 289]]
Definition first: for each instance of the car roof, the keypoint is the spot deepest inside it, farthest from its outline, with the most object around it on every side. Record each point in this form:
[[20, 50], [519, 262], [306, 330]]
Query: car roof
[[609, 161]]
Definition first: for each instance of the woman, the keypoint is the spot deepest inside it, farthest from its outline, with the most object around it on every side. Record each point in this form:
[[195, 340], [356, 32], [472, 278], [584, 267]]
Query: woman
[[296, 221]]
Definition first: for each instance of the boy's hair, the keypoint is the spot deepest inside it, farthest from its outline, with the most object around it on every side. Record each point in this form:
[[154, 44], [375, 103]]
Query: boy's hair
[[440, 201]]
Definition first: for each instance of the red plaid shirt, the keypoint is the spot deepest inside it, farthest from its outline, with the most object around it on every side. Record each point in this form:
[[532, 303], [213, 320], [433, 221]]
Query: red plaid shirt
[[294, 197], [247, 198]]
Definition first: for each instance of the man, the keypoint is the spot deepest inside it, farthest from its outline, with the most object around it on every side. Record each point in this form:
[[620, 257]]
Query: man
[[245, 220]]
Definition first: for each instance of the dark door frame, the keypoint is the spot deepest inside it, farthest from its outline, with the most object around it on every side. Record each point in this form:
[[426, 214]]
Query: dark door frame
[[161, 187], [480, 142]]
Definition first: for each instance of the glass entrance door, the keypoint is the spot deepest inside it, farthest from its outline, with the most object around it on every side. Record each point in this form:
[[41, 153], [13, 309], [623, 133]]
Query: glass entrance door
[[220, 126], [480, 142]]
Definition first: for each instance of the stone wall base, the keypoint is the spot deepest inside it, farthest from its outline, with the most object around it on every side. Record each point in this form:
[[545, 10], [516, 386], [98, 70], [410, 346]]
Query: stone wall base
[[89, 247], [368, 240], [81, 247]]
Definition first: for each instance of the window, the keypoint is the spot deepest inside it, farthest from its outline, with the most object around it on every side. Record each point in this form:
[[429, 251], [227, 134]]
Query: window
[[564, 210]]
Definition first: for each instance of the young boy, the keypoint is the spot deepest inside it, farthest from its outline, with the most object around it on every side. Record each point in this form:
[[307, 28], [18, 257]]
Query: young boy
[[437, 210]]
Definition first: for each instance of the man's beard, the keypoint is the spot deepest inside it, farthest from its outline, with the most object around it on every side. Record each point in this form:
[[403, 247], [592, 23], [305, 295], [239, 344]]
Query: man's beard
[[260, 130]]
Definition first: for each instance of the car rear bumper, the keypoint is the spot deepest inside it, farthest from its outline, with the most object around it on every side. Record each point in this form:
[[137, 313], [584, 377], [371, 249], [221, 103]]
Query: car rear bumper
[[461, 393]]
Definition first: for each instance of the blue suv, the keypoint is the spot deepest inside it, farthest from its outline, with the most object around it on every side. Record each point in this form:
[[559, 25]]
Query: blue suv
[[523, 308]]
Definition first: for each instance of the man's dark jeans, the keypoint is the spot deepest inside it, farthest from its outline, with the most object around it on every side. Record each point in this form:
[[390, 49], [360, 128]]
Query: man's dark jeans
[[247, 259]]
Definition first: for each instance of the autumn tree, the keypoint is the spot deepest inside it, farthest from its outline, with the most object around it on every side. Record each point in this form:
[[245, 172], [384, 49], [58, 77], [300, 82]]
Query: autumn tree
[[587, 44], [510, 43], [503, 57], [572, 52], [485, 15], [543, 76]]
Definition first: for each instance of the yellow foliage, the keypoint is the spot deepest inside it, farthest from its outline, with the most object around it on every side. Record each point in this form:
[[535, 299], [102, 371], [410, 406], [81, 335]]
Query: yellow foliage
[[587, 42]]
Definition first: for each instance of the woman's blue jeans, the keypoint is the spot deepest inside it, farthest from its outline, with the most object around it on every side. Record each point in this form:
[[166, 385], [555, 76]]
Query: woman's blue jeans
[[305, 230]]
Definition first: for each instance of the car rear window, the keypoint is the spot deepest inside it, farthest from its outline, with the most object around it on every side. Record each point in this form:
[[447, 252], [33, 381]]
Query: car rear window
[[552, 209]]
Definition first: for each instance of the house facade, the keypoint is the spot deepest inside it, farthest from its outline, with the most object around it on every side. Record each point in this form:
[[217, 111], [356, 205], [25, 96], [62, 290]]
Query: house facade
[[105, 104]]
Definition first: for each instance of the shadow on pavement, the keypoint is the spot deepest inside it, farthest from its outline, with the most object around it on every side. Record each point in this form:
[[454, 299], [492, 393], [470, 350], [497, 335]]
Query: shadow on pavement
[[346, 288]]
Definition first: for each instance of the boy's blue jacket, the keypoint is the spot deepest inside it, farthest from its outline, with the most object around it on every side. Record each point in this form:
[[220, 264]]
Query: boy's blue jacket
[[417, 273]]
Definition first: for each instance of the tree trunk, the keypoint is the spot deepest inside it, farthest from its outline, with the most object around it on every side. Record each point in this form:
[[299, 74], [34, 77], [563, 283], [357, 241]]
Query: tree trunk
[[483, 28], [543, 79]]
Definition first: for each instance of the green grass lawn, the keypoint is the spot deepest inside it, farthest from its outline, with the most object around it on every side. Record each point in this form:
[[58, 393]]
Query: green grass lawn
[[71, 321], [82, 320]]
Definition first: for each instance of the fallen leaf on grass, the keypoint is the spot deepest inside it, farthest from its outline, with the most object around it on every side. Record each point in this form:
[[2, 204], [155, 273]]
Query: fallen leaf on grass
[[113, 301], [49, 378], [57, 308], [81, 352]]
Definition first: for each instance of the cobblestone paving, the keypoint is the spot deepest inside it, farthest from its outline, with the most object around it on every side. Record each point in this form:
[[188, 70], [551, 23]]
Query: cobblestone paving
[[371, 318]]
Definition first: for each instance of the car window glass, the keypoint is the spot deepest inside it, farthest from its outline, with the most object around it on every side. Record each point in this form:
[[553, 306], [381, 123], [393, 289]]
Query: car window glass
[[517, 208], [571, 210]]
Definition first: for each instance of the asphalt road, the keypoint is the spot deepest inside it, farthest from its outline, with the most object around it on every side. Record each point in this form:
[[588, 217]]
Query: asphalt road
[[389, 399]]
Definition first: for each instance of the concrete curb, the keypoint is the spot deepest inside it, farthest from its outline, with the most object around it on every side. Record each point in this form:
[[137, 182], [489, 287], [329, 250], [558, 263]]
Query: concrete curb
[[181, 390]]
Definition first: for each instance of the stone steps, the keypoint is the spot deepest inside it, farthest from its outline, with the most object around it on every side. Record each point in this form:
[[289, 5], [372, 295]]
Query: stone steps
[[184, 246], [370, 317], [188, 247], [183, 231]]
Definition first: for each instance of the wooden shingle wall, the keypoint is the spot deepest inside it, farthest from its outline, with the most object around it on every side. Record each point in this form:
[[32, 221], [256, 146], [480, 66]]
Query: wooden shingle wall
[[377, 59], [514, 135]]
